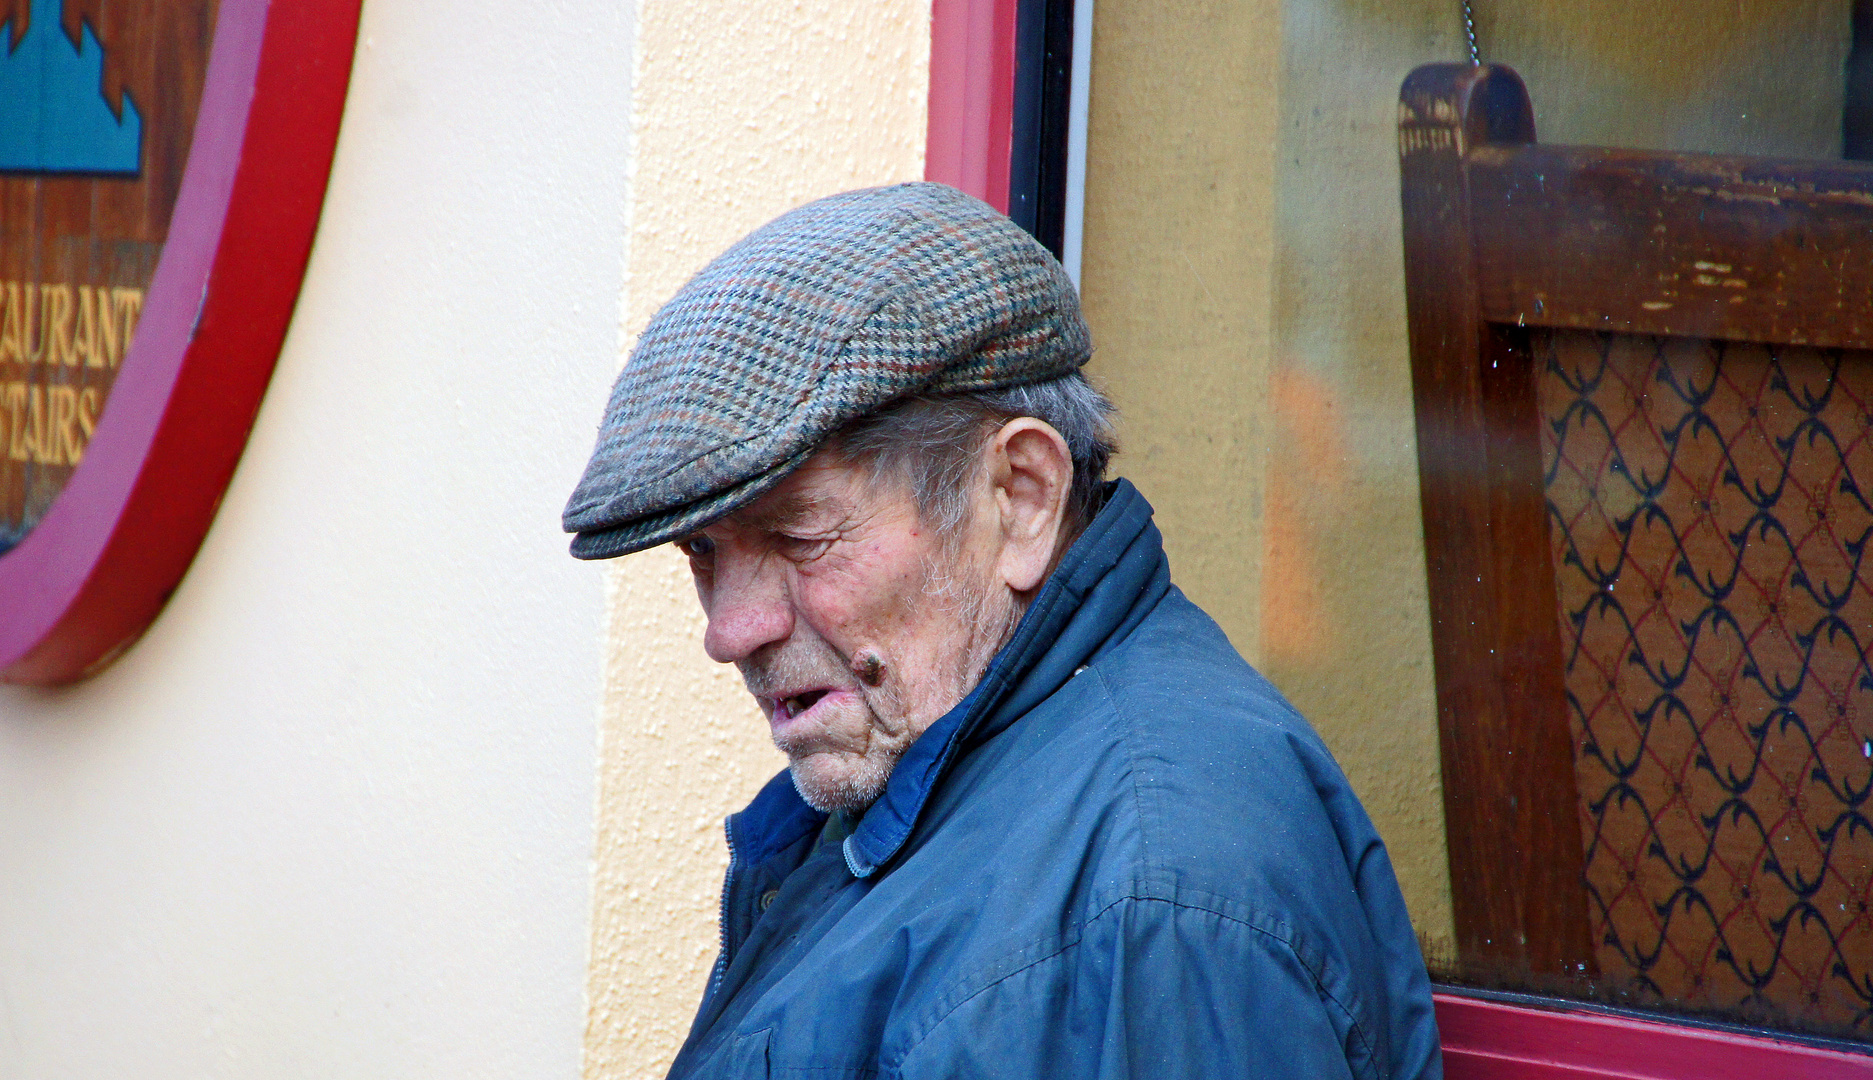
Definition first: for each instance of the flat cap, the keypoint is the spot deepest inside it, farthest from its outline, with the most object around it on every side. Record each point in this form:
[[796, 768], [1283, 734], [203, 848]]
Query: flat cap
[[823, 316]]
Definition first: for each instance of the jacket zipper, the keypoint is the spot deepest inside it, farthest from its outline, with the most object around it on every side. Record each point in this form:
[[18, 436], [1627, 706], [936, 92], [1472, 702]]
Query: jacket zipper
[[721, 955]]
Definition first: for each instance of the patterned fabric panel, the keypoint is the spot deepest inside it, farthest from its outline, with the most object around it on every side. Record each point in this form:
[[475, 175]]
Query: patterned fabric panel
[[1710, 507]]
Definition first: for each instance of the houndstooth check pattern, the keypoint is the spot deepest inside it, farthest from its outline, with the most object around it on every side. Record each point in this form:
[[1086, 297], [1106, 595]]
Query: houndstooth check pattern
[[824, 315]]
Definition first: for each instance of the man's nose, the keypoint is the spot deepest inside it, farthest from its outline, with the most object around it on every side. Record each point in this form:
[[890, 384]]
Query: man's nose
[[746, 611]]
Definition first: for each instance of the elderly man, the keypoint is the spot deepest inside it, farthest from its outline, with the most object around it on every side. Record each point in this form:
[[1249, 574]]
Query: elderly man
[[1040, 819]]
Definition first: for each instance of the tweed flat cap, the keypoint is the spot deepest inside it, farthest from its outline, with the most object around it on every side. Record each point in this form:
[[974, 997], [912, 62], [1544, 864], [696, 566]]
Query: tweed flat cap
[[823, 316]]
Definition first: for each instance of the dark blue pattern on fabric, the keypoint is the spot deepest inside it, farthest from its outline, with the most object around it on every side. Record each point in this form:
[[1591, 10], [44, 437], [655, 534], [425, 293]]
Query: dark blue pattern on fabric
[[1710, 515]]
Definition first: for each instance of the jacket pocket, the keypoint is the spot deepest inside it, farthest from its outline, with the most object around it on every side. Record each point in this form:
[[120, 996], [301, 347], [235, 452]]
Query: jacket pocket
[[747, 1056]]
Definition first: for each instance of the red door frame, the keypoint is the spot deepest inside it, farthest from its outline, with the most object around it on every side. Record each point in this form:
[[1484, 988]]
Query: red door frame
[[972, 88], [1492, 1040], [972, 96]]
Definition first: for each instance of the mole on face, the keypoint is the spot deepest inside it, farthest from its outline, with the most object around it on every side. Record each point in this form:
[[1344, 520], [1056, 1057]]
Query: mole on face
[[868, 668]]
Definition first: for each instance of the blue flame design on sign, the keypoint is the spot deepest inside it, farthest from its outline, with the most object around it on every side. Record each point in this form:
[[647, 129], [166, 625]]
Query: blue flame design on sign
[[54, 117]]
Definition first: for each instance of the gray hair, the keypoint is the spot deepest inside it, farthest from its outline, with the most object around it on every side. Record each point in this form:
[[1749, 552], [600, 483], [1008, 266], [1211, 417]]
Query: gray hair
[[933, 443]]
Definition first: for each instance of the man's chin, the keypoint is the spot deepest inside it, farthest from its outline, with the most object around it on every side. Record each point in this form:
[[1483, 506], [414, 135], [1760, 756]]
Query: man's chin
[[829, 782]]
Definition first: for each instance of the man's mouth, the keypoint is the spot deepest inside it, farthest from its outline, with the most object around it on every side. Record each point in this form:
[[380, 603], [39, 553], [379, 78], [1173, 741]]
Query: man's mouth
[[787, 708]]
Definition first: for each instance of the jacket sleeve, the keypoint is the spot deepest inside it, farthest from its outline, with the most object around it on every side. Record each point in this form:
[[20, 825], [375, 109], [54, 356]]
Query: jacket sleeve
[[1151, 990]]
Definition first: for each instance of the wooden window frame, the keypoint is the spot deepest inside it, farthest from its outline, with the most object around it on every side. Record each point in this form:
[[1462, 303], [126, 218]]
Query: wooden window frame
[[1502, 235]]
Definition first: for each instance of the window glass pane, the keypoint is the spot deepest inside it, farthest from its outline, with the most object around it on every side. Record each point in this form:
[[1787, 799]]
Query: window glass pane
[[1564, 557]]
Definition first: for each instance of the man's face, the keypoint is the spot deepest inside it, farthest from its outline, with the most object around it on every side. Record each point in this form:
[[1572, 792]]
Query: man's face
[[854, 624]]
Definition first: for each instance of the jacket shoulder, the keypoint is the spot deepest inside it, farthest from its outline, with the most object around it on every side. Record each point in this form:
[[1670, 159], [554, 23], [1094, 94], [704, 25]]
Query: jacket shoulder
[[1204, 723], [1236, 795]]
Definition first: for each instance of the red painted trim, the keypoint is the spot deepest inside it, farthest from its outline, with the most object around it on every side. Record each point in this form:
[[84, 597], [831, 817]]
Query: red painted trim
[[1489, 1040], [972, 96], [97, 569]]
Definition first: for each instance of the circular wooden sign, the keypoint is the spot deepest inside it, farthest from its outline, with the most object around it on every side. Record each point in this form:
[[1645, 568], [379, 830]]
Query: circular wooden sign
[[162, 166]]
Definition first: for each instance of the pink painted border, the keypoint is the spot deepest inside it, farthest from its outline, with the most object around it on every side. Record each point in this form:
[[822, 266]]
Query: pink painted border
[[1492, 1040], [41, 576]]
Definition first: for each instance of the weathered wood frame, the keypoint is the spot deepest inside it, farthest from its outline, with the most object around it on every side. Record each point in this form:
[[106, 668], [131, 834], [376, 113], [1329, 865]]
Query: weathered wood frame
[[1502, 235]]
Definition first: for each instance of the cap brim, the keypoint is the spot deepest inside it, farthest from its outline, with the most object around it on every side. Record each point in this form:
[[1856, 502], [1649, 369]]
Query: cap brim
[[648, 531]]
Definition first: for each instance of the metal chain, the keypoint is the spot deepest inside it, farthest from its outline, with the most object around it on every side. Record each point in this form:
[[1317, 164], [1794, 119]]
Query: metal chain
[[1469, 32]]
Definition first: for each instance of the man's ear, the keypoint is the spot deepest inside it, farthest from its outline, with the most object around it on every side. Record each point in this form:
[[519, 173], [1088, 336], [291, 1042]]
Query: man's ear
[[1031, 475]]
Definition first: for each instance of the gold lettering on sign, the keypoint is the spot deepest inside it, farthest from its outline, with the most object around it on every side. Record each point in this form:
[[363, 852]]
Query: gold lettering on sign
[[65, 331], [128, 305], [47, 425], [34, 441], [88, 411], [85, 335], [62, 426], [14, 334], [54, 323], [14, 394], [57, 300]]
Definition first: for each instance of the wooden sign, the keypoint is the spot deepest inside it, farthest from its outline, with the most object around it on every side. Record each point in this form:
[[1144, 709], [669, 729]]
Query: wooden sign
[[162, 165]]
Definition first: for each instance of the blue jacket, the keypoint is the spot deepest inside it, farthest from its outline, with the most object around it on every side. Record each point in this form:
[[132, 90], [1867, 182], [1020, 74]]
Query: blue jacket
[[1122, 855]]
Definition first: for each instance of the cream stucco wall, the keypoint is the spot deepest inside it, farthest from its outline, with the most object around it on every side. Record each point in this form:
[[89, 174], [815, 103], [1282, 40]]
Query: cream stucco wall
[[742, 109], [332, 816]]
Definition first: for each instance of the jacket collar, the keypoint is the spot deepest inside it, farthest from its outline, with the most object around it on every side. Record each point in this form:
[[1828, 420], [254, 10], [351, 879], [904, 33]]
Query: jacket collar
[[1111, 577]]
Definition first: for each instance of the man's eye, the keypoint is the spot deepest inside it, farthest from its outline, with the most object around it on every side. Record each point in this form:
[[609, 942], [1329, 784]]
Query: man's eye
[[804, 548], [696, 547]]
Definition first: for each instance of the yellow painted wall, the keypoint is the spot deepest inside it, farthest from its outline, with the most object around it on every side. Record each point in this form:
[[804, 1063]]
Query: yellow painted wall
[[1346, 628], [741, 109], [1241, 278], [1177, 274]]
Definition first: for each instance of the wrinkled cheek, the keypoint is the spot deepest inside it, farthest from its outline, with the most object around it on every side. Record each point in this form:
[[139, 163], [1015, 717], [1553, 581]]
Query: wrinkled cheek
[[827, 595], [856, 732], [852, 615], [892, 727]]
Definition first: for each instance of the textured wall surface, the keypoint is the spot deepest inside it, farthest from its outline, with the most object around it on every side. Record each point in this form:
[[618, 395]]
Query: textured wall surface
[[742, 109], [332, 816], [1177, 274]]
